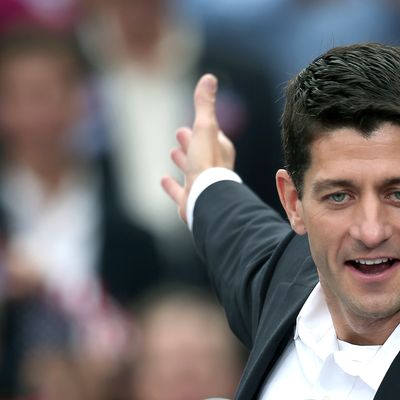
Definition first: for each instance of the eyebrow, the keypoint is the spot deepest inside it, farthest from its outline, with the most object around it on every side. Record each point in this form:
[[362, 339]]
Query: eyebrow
[[329, 184], [391, 181]]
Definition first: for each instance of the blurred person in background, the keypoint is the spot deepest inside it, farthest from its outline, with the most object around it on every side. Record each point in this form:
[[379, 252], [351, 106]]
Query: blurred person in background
[[186, 350], [73, 258], [148, 57]]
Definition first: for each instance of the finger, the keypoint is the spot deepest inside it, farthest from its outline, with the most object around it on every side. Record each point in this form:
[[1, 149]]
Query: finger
[[179, 158], [204, 102], [173, 189], [228, 150], [184, 135], [177, 194]]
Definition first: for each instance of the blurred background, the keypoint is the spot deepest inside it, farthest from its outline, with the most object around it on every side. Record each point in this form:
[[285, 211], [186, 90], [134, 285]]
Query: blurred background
[[102, 295]]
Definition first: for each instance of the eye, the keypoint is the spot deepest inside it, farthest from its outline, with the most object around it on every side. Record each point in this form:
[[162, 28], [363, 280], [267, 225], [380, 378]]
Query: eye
[[340, 197], [395, 196]]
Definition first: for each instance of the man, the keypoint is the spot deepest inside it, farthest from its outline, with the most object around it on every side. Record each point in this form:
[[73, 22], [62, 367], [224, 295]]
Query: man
[[330, 331], [148, 57], [66, 238], [186, 350]]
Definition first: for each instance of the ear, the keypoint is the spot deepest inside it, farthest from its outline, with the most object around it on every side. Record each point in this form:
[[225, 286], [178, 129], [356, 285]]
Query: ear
[[290, 201]]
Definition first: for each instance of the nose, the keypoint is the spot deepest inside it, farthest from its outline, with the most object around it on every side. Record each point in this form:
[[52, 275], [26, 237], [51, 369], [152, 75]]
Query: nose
[[371, 223]]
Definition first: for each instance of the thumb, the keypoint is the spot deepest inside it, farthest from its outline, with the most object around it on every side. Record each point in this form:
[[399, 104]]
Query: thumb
[[204, 102]]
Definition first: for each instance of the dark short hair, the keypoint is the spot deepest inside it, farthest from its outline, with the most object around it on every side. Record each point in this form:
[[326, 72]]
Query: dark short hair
[[24, 40], [355, 86]]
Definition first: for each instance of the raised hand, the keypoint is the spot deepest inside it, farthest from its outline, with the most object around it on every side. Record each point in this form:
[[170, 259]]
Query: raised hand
[[202, 147]]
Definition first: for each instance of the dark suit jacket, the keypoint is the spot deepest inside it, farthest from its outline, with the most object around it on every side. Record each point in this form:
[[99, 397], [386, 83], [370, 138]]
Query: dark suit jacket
[[263, 273]]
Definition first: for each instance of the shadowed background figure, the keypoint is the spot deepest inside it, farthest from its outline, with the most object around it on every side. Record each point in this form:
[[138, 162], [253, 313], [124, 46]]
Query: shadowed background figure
[[185, 350]]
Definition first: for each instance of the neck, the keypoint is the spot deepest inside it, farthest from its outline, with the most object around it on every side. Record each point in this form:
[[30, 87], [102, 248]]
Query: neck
[[49, 167], [374, 332], [360, 329]]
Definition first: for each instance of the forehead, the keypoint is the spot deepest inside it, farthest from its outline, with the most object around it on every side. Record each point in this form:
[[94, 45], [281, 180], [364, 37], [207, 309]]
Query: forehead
[[36, 69], [345, 154], [61, 57]]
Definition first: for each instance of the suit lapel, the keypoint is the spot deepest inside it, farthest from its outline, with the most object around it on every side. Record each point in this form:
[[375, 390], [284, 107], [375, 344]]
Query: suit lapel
[[275, 331], [390, 386]]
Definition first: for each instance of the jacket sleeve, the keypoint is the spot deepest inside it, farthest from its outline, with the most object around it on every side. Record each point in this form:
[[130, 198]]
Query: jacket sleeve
[[241, 240]]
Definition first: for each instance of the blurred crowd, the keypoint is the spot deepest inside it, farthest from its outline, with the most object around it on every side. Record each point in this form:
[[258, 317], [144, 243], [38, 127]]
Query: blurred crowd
[[102, 295]]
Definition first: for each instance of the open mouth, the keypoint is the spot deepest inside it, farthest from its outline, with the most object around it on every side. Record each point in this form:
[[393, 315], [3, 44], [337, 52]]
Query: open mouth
[[372, 266]]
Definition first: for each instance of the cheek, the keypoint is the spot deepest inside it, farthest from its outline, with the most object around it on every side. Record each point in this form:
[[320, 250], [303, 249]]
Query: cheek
[[326, 238]]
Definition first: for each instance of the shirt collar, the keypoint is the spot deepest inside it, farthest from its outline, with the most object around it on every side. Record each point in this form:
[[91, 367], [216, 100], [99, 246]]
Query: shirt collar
[[377, 367], [314, 327]]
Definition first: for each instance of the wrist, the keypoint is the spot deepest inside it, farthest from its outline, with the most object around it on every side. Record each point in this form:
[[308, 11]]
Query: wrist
[[202, 182]]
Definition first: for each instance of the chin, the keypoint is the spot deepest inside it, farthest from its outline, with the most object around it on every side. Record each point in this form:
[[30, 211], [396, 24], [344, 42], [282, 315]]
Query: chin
[[376, 310]]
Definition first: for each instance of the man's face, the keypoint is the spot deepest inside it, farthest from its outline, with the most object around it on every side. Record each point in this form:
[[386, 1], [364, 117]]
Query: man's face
[[186, 353], [351, 211], [37, 105]]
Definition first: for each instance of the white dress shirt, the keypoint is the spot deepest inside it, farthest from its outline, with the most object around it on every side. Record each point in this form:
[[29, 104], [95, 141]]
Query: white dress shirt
[[315, 365], [58, 231]]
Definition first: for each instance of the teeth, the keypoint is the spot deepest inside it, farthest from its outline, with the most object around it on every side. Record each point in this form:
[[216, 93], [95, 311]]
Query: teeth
[[372, 262]]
